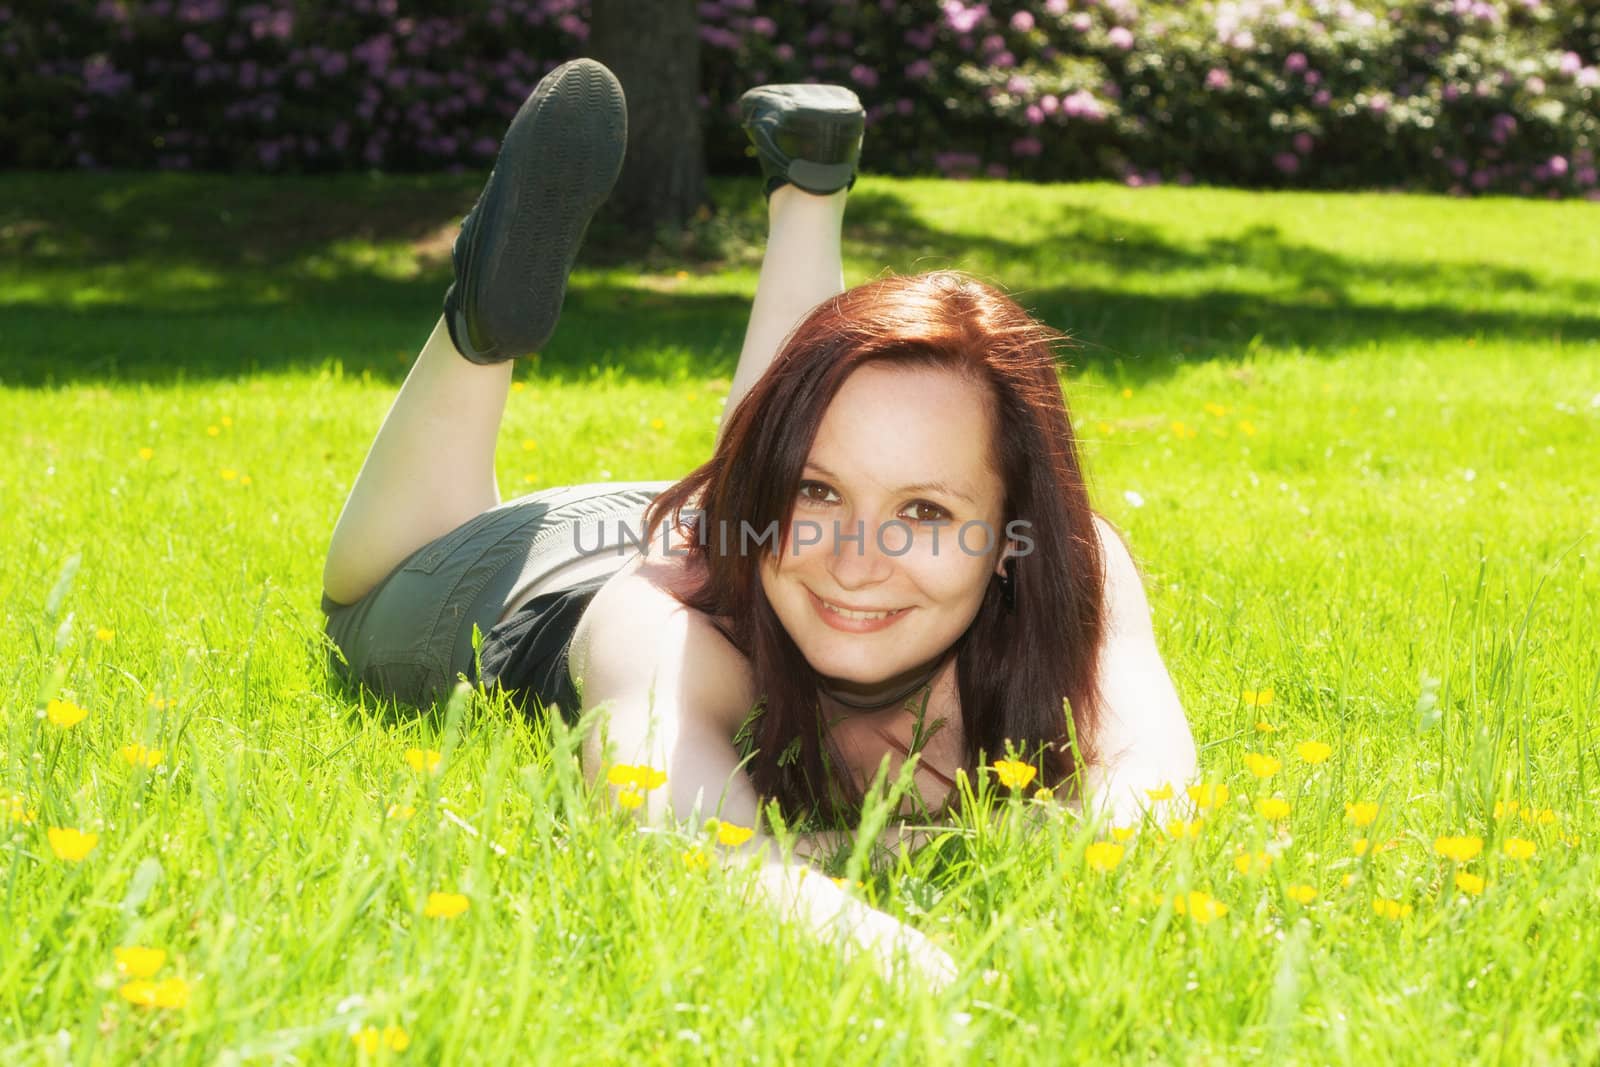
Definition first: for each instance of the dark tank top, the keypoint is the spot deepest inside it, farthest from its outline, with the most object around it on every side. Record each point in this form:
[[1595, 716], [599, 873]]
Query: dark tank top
[[526, 653]]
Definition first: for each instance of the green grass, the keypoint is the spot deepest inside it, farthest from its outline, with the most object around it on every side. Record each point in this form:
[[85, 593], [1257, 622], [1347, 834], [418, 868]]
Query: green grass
[[1403, 550]]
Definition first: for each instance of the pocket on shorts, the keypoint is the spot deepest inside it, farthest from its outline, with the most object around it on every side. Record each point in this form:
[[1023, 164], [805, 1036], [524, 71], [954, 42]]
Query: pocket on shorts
[[432, 555], [409, 680]]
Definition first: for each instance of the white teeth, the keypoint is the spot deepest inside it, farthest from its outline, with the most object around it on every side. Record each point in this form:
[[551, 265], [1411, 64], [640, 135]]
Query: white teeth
[[857, 614]]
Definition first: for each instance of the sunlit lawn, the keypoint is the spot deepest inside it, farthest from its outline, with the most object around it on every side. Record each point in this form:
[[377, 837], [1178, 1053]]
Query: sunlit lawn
[[1353, 440]]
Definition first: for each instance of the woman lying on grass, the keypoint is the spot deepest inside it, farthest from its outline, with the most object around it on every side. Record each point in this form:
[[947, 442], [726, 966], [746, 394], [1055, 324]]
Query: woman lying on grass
[[890, 552]]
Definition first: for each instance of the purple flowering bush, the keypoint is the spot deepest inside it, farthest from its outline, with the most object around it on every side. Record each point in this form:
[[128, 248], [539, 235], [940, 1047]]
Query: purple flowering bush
[[1461, 95], [274, 84]]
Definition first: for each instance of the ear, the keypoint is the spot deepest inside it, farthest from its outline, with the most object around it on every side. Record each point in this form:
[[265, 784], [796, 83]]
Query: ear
[[1003, 559]]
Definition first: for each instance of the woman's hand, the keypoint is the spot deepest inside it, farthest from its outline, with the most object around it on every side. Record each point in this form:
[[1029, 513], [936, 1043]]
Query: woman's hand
[[897, 946], [831, 912]]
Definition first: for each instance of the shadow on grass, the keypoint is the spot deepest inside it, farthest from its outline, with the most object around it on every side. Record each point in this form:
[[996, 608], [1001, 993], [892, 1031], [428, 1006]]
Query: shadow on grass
[[156, 278]]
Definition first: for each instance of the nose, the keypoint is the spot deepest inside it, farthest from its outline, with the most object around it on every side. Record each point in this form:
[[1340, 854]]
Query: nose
[[856, 556]]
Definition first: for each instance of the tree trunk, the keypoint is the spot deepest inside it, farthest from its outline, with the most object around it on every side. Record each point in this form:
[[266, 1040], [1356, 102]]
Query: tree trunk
[[653, 47]]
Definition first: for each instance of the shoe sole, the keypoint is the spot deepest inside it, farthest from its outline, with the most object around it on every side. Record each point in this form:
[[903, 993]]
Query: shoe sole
[[558, 163]]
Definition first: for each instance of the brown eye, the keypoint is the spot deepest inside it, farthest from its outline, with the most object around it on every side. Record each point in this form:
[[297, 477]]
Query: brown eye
[[922, 511], [815, 492]]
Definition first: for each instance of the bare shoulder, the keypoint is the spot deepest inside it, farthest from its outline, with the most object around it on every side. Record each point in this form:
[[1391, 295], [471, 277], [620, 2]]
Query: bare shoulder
[[637, 639], [1127, 608], [1144, 737]]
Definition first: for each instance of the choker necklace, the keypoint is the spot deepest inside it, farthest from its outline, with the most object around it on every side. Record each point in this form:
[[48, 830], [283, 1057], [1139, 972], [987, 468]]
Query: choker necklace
[[868, 705]]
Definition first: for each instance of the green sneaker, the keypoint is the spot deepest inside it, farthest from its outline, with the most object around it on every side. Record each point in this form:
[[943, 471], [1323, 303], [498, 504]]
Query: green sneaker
[[557, 164], [807, 135]]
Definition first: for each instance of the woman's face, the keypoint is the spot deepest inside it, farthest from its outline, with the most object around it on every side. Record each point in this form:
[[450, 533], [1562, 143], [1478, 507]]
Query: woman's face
[[904, 459]]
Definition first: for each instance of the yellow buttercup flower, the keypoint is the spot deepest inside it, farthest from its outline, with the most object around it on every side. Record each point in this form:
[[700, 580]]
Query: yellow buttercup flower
[[1178, 829], [1468, 882], [1519, 848], [1300, 894], [1542, 816], [1122, 833], [629, 797], [1261, 765], [136, 962], [1257, 698], [1459, 849], [1161, 792], [1391, 909], [71, 845], [1265, 727], [400, 811], [696, 859], [1362, 812], [146, 453], [424, 759], [1208, 795], [445, 905], [64, 713], [731, 834], [1273, 808], [104, 634], [1313, 751], [640, 777], [1043, 795], [138, 755], [1014, 774], [1103, 855], [1359, 846], [1246, 862], [16, 809], [369, 1039], [167, 993], [1201, 907]]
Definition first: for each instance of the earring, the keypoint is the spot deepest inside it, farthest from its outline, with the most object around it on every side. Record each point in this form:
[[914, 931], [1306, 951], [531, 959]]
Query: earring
[[1008, 589]]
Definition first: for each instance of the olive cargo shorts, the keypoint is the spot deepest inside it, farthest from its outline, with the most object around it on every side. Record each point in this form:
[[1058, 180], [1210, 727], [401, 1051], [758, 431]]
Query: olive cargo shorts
[[410, 637]]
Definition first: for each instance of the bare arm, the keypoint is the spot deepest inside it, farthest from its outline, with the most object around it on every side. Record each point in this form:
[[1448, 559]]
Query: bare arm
[[1145, 740], [674, 692]]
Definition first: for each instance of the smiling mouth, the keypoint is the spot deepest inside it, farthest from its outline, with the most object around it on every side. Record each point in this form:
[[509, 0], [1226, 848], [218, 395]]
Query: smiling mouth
[[856, 615]]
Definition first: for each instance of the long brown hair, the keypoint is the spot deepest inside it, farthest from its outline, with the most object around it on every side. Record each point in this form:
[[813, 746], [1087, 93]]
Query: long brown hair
[[1018, 668]]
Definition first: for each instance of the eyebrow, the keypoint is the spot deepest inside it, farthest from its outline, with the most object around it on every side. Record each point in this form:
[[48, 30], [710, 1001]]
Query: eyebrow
[[915, 487]]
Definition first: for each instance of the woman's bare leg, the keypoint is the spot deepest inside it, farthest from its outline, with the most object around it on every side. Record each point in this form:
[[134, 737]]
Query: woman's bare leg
[[430, 469], [801, 268]]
